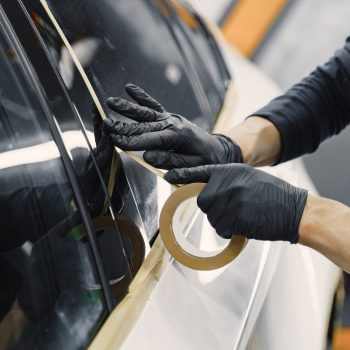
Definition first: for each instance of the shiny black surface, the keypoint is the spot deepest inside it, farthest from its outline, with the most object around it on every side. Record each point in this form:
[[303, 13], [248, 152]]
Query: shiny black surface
[[159, 49], [47, 271], [70, 123]]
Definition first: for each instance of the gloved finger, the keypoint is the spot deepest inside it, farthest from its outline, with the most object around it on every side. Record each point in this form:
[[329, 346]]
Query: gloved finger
[[130, 129], [207, 203], [220, 182], [221, 226], [214, 209], [189, 175], [142, 97], [171, 160], [132, 110], [163, 139]]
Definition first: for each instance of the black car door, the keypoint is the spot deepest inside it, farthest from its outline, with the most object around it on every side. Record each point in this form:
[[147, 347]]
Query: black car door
[[50, 292]]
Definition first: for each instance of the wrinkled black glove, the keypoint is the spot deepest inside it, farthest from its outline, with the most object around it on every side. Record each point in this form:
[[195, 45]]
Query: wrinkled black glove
[[170, 140], [242, 200]]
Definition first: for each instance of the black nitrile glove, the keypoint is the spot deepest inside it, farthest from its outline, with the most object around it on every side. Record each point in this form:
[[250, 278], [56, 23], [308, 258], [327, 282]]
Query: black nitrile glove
[[242, 200], [170, 140]]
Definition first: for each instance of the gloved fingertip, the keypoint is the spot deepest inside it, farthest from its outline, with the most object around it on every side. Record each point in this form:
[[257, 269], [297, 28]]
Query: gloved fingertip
[[108, 122], [111, 101], [116, 139], [155, 159], [131, 86], [148, 156], [171, 176], [225, 234]]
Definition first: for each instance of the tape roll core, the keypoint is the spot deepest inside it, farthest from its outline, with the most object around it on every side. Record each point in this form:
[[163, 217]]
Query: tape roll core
[[183, 193]]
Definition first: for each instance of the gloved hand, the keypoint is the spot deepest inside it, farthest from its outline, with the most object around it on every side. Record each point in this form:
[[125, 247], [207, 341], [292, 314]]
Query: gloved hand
[[170, 140], [242, 200]]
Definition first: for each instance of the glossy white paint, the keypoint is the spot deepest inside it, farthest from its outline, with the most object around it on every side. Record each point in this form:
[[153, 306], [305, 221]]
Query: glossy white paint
[[270, 292]]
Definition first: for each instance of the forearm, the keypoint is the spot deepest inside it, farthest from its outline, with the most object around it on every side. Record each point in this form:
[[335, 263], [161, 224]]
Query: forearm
[[325, 227], [314, 109], [297, 122], [259, 140]]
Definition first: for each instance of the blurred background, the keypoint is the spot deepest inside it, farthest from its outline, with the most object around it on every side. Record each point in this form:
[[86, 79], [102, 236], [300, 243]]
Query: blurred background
[[287, 40]]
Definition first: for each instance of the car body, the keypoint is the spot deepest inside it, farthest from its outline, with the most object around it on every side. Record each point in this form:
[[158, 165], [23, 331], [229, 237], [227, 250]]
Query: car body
[[83, 260]]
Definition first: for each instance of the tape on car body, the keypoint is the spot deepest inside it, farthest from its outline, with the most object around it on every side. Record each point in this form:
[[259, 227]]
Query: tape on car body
[[182, 193]]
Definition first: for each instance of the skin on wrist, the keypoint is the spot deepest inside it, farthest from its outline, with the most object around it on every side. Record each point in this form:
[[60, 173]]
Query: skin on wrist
[[259, 140], [325, 227]]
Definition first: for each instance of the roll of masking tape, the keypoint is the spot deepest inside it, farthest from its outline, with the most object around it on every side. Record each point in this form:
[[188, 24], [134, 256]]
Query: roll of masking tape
[[183, 193]]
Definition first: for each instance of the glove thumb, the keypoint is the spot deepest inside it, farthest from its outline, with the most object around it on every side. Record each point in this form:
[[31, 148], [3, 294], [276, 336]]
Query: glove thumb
[[189, 175]]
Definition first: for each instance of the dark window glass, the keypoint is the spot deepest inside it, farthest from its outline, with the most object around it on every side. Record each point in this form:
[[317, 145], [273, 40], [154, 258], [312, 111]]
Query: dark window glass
[[186, 31], [119, 236], [201, 46], [115, 49], [49, 295]]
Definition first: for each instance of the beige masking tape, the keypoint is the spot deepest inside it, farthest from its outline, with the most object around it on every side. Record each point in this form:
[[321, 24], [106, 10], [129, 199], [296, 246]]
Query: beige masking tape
[[236, 245]]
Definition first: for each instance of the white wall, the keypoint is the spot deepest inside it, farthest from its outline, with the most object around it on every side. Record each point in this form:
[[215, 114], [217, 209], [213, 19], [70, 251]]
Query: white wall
[[214, 9]]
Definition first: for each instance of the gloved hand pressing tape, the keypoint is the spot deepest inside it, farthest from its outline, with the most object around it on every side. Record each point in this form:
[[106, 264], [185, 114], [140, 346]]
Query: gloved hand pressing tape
[[170, 140], [244, 200], [237, 199]]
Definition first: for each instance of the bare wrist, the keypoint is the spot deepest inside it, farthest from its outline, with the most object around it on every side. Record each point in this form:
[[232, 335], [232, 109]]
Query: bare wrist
[[324, 227], [308, 223], [259, 140]]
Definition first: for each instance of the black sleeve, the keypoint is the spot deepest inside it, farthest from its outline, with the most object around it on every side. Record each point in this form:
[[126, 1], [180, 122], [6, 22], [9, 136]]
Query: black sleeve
[[314, 109]]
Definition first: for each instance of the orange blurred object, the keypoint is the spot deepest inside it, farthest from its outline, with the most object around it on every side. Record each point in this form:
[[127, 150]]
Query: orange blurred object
[[250, 21], [341, 339]]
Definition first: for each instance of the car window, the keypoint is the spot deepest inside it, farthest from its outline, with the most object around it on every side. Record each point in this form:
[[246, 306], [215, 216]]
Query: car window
[[50, 297], [115, 49], [200, 44], [187, 31], [119, 229]]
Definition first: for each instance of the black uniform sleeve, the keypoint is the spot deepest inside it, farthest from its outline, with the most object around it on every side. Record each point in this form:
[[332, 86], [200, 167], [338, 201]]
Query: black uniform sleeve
[[314, 109]]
